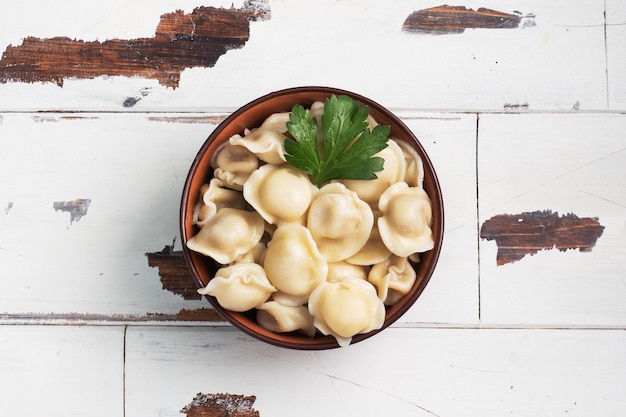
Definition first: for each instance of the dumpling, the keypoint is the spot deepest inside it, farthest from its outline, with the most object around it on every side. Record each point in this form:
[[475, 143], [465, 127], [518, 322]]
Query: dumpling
[[276, 122], [239, 287], [414, 174], [228, 234], [280, 318], [233, 165], [267, 145], [374, 250], [392, 278], [405, 226], [290, 300], [338, 271], [292, 262], [216, 196], [254, 255], [279, 193], [339, 221], [346, 308], [393, 171]]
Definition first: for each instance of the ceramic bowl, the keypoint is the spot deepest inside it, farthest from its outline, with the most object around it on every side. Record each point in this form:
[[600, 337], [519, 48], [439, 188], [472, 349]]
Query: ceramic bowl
[[203, 268]]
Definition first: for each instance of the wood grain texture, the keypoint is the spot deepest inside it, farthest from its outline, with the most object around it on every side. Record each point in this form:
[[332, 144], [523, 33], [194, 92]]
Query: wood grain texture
[[174, 273], [456, 19], [518, 235], [221, 405], [181, 41]]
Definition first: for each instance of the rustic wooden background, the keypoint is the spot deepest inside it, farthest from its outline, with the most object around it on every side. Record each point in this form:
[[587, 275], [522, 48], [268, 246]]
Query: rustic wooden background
[[520, 105]]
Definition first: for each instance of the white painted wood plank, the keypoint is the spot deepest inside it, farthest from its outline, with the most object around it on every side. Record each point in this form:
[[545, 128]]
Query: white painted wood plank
[[350, 44], [567, 164], [61, 371], [132, 170], [452, 293], [132, 167], [400, 372], [616, 53]]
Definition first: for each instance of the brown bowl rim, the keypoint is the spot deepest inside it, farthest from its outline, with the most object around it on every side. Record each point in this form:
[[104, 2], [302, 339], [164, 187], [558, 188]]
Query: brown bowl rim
[[393, 313]]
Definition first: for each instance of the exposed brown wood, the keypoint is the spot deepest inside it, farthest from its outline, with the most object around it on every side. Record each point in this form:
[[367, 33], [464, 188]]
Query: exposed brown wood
[[208, 315], [221, 405], [181, 41], [518, 235], [173, 272], [455, 19]]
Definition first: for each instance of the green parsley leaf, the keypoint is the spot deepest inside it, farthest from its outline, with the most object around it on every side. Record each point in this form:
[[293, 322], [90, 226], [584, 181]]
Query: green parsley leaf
[[348, 145]]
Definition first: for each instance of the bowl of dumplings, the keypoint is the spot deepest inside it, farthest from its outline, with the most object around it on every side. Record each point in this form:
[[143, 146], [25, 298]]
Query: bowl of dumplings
[[302, 265]]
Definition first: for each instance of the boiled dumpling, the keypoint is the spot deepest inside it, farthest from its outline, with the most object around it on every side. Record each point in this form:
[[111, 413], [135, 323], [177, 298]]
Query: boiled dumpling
[[393, 171], [279, 193], [276, 122], [374, 250], [290, 300], [414, 174], [254, 255], [233, 165], [239, 287], [338, 271], [392, 277], [406, 220], [267, 145], [215, 196], [228, 234], [280, 318], [346, 308], [292, 261], [339, 221]]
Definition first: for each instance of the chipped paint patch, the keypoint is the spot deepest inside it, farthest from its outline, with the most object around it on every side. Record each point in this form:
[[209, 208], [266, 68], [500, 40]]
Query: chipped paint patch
[[173, 272], [518, 235], [54, 119], [181, 41], [446, 19], [200, 315], [221, 405], [77, 208], [513, 107], [213, 120]]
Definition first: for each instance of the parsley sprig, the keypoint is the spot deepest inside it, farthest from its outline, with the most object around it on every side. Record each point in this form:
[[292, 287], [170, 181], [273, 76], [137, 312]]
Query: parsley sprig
[[348, 145]]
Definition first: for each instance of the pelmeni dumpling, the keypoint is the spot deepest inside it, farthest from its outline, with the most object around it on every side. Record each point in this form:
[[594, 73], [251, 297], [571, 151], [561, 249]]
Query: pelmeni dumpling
[[279, 193], [393, 171], [292, 261], [338, 271], [267, 145], [239, 287], [392, 278], [233, 164], [414, 174], [276, 122], [228, 234], [405, 224], [216, 195], [346, 308], [280, 318], [339, 221], [254, 255], [374, 250], [290, 300]]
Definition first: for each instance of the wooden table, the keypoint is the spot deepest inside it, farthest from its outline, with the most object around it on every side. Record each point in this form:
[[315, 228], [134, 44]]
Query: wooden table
[[521, 107]]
